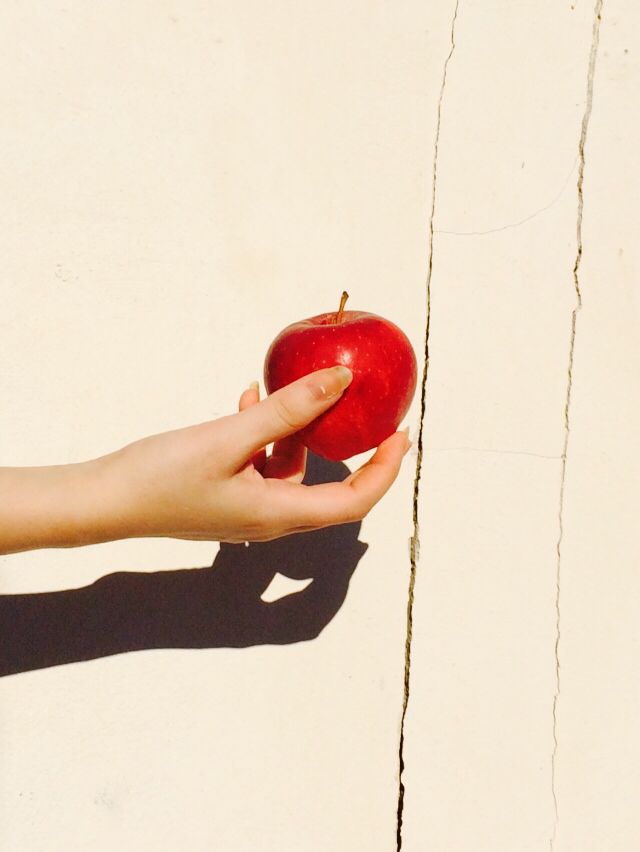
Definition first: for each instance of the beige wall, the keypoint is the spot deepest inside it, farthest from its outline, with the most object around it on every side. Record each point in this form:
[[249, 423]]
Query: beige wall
[[181, 179]]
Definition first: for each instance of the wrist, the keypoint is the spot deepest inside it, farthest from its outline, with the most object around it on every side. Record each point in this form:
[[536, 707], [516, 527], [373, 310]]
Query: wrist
[[98, 508]]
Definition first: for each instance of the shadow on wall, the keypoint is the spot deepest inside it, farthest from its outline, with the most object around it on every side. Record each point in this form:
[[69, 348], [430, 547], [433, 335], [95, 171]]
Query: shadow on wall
[[215, 607]]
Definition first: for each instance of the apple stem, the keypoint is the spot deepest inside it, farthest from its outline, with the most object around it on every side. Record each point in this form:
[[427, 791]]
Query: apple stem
[[343, 302]]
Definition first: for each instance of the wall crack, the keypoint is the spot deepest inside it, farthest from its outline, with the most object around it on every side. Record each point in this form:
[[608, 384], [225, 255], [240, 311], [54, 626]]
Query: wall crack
[[415, 538], [593, 53], [520, 222]]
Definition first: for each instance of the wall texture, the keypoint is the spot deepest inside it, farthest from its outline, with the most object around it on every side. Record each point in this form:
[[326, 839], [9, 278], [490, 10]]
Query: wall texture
[[181, 179]]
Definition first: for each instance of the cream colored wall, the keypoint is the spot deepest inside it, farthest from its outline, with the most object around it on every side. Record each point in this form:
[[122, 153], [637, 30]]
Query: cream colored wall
[[180, 180]]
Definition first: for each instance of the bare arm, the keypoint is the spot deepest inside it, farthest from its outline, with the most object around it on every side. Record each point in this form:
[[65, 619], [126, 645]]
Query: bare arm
[[58, 506], [211, 481]]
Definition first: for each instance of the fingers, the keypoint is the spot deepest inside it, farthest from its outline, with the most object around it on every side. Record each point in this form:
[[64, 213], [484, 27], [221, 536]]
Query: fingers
[[289, 409], [288, 460], [323, 505], [378, 474], [289, 457], [249, 397]]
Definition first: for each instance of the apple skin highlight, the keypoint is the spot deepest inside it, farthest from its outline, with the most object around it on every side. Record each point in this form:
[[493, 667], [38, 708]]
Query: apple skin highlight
[[384, 368]]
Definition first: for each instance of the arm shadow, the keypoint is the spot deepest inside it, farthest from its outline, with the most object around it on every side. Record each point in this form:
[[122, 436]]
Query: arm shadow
[[214, 607]]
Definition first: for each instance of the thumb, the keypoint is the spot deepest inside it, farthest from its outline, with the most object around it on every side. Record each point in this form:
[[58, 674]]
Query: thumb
[[291, 408]]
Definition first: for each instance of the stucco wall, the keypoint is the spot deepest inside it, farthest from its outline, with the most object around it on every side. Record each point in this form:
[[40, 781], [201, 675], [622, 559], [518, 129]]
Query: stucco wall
[[179, 180]]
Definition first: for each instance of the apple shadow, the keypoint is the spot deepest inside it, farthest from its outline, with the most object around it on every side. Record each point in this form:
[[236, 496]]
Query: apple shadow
[[214, 607]]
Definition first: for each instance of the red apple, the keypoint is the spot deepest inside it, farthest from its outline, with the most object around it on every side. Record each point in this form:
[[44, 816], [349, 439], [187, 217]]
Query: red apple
[[384, 369]]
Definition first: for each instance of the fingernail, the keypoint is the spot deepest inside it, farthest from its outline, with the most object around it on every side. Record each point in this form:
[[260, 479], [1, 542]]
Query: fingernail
[[332, 383], [405, 432], [254, 386], [345, 376]]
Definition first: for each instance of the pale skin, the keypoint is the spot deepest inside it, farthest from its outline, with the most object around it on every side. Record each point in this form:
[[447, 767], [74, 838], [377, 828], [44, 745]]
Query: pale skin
[[211, 482]]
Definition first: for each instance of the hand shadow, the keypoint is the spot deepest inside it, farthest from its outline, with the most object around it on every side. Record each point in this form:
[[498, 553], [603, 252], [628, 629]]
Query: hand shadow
[[215, 607]]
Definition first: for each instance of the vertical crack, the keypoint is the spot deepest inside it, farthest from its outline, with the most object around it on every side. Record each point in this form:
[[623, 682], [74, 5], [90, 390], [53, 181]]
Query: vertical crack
[[415, 538], [595, 39]]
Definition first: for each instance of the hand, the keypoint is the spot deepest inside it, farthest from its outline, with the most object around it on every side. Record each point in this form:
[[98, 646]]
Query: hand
[[214, 481]]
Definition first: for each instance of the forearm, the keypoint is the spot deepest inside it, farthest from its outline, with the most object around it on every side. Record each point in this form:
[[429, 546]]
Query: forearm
[[59, 506]]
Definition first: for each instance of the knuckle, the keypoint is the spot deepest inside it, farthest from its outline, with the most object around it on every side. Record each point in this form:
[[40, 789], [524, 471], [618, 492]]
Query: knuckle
[[287, 414]]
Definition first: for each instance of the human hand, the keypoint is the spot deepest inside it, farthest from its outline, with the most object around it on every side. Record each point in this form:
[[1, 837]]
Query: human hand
[[214, 481]]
